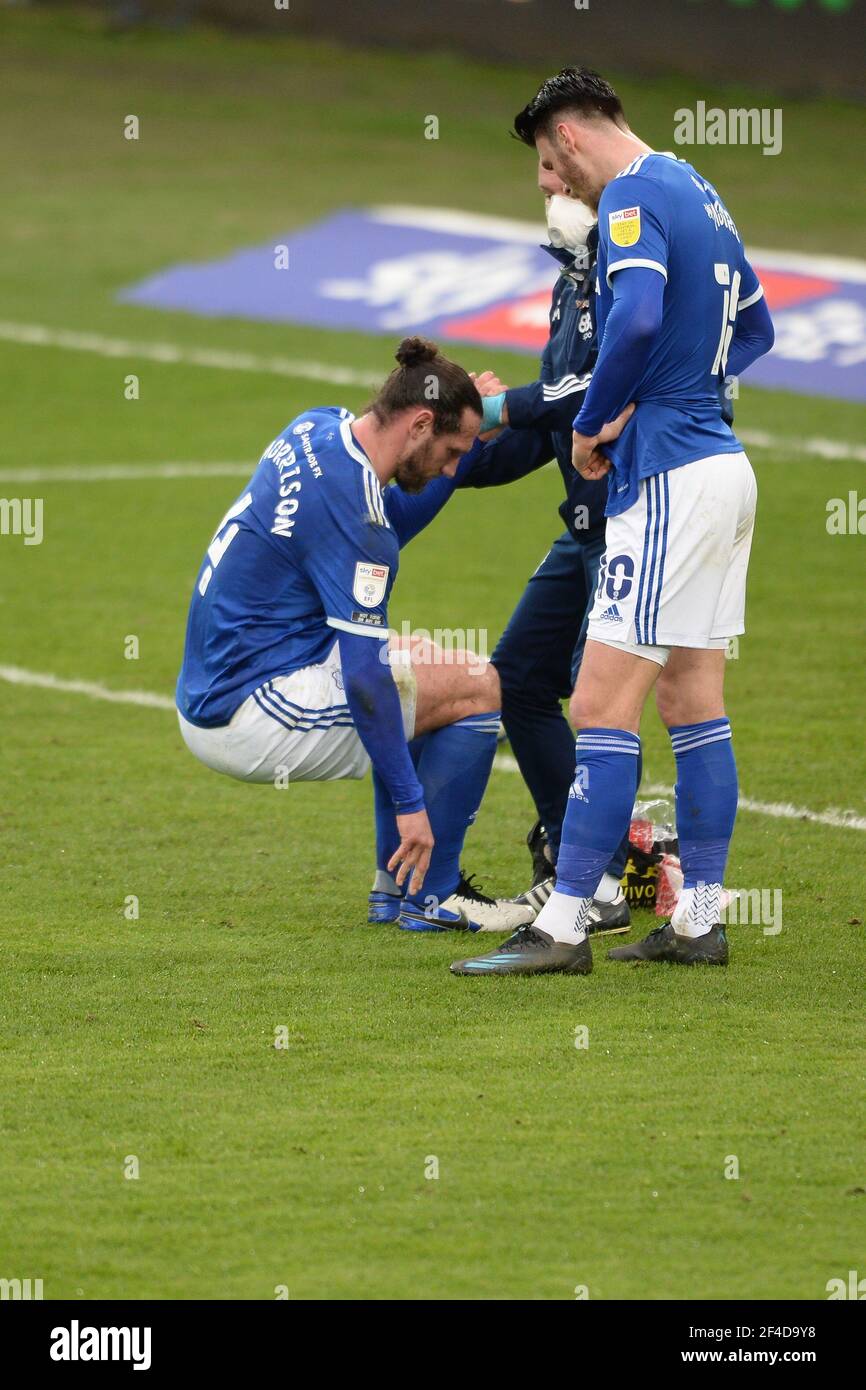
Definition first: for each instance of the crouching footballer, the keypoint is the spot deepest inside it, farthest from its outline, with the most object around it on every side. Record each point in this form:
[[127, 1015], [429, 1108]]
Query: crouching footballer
[[289, 670]]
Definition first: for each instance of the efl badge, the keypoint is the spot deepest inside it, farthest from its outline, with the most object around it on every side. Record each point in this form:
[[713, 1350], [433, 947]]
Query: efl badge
[[624, 226], [370, 583]]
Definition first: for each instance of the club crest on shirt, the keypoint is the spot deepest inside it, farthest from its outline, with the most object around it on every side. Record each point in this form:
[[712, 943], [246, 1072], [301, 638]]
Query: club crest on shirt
[[624, 226], [370, 583]]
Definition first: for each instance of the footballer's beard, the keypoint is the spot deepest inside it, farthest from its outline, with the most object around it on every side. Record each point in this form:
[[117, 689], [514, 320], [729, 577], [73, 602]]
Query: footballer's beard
[[413, 471], [581, 183]]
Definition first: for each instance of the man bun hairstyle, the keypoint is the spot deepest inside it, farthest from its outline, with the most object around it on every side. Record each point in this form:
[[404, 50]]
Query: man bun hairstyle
[[572, 89], [424, 379], [414, 350]]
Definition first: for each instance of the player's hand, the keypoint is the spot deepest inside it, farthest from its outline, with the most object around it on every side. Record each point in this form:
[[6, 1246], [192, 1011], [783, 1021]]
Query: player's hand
[[488, 383], [586, 456], [614, 428], [593, 465], [413, 851]]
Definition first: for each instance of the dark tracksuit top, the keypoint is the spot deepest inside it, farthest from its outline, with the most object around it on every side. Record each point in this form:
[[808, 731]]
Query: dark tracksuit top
[[541, 414], [538, 654]]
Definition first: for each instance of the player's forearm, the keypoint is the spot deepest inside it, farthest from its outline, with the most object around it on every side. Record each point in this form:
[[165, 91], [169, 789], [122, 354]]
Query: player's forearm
[[753, 336], [375, 708], [409, 513], [632, 325], [511, 455], [549, 405]]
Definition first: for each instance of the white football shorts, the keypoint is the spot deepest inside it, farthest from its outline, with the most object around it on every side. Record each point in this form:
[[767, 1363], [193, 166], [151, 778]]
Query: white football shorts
[[674, 569], [297, 727]]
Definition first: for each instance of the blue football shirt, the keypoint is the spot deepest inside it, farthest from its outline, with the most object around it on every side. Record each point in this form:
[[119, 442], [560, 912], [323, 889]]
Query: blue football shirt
[[660, 214], [305, 552]]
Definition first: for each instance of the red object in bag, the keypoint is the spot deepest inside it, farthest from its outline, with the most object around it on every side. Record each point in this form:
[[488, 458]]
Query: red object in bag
[[669, 886], [641, 833]]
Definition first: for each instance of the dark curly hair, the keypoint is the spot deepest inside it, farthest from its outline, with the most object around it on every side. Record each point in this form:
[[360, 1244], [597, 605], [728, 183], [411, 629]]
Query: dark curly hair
[[425, 378], [572, 89]]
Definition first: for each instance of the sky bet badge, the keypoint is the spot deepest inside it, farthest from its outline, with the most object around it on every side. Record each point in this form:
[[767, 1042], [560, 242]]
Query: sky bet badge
[[624, 226], [370, 583]]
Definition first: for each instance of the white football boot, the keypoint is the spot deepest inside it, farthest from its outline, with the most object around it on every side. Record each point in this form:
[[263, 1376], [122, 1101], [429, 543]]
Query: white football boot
[[490, 914]]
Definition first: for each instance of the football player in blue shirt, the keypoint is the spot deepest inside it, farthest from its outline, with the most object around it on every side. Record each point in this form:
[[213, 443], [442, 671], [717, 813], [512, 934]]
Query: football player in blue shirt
[[679, 309], [288, 672]]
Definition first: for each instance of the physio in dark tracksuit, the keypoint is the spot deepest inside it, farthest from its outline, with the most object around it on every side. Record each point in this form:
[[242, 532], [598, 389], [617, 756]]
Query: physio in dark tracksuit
[[539, 653]]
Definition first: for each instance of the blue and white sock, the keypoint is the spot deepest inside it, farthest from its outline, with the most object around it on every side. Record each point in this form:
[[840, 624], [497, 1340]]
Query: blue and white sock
[[453, 769], [599, 808], [706, 803]]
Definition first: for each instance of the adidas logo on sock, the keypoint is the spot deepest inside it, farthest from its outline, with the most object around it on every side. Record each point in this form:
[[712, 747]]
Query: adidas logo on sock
[[611, 615]]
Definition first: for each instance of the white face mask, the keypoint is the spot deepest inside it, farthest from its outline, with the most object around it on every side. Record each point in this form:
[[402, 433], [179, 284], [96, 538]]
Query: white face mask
[[569, 223]]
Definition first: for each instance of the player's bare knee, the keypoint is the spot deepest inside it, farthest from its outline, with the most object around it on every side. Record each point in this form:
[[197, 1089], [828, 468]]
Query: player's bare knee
[[690, 690], [474, 684], [489, 689], [667, 704], [582, 712]]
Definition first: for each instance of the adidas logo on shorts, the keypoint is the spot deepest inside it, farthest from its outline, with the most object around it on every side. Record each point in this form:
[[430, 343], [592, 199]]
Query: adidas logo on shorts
[[610, 615]]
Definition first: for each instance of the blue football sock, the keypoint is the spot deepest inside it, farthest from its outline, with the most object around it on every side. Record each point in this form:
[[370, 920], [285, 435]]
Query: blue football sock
[[387, 835], [616, 867], [706, 802], [453, 769], [599, 808]]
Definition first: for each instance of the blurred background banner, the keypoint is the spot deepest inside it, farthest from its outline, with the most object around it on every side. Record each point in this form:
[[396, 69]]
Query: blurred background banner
[[478, 279], [793, 46]]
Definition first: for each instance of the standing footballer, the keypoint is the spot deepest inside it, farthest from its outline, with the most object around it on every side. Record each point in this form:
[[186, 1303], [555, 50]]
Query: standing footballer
[[679, 309]]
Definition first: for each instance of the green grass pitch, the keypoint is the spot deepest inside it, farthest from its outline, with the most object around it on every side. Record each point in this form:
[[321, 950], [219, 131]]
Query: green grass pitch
[[153, 1038]]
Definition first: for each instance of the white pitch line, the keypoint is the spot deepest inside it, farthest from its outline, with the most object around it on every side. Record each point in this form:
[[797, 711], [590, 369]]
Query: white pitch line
[[778, 810], [17, 676], [783, 810], [814, 448], [504, 762], [38, 335], [135, 472], [124, 472]]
